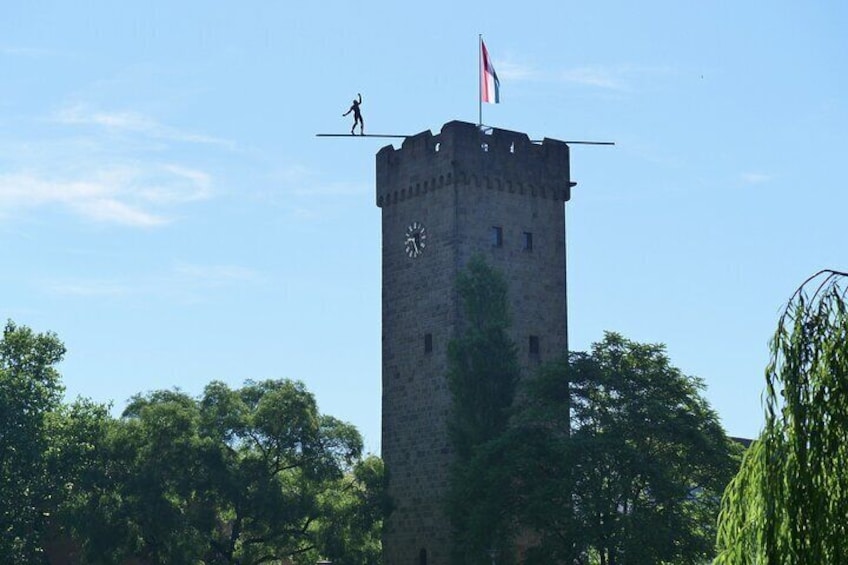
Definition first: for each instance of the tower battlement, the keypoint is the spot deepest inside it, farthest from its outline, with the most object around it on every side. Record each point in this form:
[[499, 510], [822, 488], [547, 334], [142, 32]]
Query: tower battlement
[[444, 199], [461, 153]]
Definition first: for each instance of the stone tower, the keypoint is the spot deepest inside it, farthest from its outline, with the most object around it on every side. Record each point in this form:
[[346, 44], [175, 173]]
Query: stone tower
[[445, 198]]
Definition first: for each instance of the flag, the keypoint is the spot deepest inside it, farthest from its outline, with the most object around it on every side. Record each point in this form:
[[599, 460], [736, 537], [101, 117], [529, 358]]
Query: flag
[[490, 86]]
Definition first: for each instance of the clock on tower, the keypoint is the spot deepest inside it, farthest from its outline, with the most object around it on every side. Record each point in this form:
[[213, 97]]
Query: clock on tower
[[442, 197]]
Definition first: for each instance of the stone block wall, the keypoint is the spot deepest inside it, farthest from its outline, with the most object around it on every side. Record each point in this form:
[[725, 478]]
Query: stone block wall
[[460, 184]]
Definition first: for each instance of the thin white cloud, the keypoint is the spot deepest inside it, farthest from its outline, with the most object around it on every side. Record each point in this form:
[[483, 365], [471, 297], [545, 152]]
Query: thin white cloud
[[91, 288], [594, 76], [103, 166], [26, 51], [112, 211], [187, 280], [339, 188], [510, 71], [755, 178], [297, 180], [133, 122], [302, 193], [619, 78], [305, 195], [128, 196], [181, 185], [293, 174], [214, 275], [303, 214]]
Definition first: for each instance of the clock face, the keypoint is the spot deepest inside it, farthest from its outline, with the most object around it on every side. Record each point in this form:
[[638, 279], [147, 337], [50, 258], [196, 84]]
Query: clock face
[[415, 239]]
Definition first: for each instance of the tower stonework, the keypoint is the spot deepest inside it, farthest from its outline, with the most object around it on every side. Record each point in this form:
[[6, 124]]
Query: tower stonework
[[444, 199]]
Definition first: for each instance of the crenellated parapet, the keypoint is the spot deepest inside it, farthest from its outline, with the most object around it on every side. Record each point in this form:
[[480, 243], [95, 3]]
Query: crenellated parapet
[[444, 199], [463, 154]]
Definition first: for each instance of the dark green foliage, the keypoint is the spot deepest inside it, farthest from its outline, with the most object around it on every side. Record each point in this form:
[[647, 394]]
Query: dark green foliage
[[29, 391], [251, 475], [357, 508], [240, 476], [789, 502], [77, 462], [611, 457], [622, 460], [483, 374], [483, 367]]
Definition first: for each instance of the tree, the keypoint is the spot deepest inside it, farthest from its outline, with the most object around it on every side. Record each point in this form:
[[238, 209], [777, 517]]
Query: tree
[[245, 476], [279, 458], [482, 378], [621, 460], [75, 461], [351, 536], [789, 502], [29, 391]]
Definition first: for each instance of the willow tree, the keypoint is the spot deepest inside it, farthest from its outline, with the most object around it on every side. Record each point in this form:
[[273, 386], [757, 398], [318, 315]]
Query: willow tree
[[789, 502]]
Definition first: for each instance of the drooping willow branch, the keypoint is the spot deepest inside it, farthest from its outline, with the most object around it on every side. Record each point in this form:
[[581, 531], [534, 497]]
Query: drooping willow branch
[[789, 502]]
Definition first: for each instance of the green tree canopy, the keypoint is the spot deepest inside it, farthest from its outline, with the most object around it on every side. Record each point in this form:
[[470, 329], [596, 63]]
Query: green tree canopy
[[482, 377], [250, 475], [789, 502], [483, 367], [619, 459], [609, 457], [30, 390]]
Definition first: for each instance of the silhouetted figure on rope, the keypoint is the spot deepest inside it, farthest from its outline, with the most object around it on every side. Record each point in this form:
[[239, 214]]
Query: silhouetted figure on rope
[[357, 116]]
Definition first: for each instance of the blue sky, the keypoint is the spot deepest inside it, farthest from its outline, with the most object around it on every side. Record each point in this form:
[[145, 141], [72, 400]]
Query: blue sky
[[166, 209]]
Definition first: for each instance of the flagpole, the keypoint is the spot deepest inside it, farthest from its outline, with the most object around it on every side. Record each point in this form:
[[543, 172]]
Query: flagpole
[[479, 80]]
